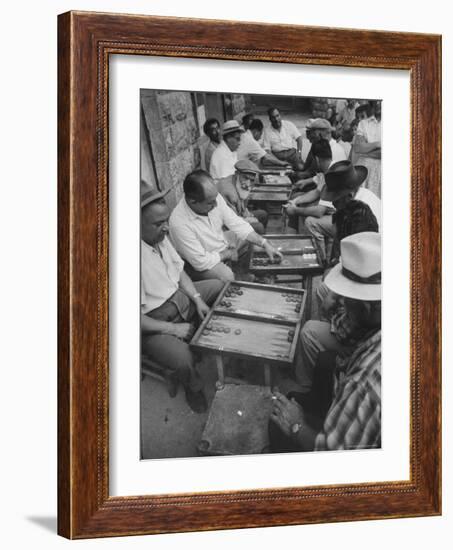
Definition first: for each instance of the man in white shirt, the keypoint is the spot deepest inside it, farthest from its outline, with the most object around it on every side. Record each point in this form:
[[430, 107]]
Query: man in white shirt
[[225, 155], [367, 147], [283, 140], [197, 230], [323, 130], [171, 305], [250, 149]]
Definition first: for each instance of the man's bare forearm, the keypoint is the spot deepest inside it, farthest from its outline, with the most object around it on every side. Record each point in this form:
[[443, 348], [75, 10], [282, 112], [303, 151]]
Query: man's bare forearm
[[315, 211], [186, 285], [269, 159]]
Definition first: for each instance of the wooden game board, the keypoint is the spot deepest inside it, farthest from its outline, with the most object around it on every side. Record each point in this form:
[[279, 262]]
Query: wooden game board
[[269, 189], [275, 179], [254, 321], [280, 197], [300, 256]]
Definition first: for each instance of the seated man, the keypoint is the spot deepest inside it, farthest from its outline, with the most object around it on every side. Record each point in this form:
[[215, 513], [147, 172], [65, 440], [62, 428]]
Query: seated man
[[197, 230], [307, 202], [242, 181], [250, 149], [343, 183], [320, 128], [212, 129], [171, 304], [353, 420], [330, 334], [247, 120], [283, 140], [225, 155]]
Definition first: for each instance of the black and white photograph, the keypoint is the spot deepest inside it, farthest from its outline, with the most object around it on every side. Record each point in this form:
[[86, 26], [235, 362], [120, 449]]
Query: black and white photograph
[[260, 266]]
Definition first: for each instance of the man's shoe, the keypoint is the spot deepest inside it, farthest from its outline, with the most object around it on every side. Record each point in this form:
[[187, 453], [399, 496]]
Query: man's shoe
[[196, 401]]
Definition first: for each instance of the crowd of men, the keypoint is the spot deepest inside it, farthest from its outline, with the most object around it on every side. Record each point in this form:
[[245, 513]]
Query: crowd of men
[[188, 254]]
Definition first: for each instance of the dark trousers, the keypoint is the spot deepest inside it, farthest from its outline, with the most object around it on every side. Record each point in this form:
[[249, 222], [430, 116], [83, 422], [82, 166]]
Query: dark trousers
[[171, 352]]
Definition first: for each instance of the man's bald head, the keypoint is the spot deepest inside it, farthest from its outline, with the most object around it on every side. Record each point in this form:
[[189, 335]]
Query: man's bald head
[[200, 192], [154, 222]]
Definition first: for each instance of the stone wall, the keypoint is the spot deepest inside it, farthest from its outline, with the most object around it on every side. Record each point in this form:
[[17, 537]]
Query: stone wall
[[176, 142], [173, 134]]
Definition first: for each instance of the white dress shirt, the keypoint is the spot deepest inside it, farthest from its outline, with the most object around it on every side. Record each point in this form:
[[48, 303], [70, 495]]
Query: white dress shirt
[[283, 139], [338, 153], [161, 269], [222, 162], [200, 239], [370, 129], [249, 148]]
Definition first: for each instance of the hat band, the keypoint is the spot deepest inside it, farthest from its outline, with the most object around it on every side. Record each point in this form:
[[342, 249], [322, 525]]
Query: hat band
[[371, 280]]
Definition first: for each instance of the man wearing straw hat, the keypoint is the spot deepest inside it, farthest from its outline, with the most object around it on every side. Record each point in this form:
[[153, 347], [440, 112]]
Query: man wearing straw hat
[[353, 418], [225, 155], [171, 304]]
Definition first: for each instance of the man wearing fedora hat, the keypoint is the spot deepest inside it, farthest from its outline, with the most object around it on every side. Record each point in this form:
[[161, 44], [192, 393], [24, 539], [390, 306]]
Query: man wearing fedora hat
[[171, 304], [353, 419], [225, 155], [343, 183]]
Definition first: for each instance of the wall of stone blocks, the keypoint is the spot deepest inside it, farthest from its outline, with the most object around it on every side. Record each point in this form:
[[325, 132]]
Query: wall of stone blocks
[[173, 134], [176, 143]]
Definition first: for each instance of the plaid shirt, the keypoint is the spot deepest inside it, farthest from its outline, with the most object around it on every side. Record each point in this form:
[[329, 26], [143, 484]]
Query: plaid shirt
[[354, 418], [344, 328]]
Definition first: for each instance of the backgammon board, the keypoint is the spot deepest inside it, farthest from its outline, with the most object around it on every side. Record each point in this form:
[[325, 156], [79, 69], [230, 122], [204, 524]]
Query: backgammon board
[[275, 179], [269, 196], [300, 256], [253, 321]]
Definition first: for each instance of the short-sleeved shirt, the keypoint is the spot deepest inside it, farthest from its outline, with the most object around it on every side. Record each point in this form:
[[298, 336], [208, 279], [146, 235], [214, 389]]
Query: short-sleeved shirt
[[370, 129], [223, 161], [212, 146], [161, 268], [249, 148], [201, 239], [283, 139]]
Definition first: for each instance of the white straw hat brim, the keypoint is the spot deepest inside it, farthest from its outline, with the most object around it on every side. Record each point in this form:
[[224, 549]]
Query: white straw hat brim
[[338, 283]]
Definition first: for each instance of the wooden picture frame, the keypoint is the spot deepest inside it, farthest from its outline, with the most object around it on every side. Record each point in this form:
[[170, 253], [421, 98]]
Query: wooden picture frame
[[86, 40]]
